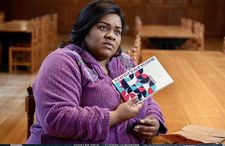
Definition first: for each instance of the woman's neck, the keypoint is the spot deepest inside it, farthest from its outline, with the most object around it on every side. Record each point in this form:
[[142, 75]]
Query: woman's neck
[[103, 65]]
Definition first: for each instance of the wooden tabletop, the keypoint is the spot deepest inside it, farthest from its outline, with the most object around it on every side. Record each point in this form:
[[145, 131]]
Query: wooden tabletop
[[165, 31], [16, 26], [198, 94]]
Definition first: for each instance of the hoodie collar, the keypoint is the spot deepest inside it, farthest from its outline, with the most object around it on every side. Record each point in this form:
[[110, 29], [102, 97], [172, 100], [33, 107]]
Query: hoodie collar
[[92, 62]]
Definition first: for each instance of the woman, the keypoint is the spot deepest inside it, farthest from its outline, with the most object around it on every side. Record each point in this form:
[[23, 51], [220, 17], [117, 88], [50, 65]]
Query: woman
[[75, 99]]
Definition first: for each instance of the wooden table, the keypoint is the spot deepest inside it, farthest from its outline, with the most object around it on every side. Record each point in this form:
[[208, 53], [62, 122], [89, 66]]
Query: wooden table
[[198, 94], [12, 31], [23, 26], [165, 31], [165, 36]]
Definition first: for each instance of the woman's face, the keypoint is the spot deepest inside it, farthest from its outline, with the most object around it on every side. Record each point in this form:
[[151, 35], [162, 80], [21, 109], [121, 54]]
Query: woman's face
[[104, 38]]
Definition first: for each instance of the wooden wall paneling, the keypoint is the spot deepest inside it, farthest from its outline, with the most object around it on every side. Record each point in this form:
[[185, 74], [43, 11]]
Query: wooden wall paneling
[[173, 10], [195, 13], [175, 16], [162, 12], [129, 11], [22, 9], [173, 3], [2, 17], [2, 4], [195, 10], [67, 12], [42, 7], [178, 10], [197, 3], [158, 15], [182, 3], [223, 16], [151, 11], [81, 4], [130, 3], [159, 2], [214, 17], [5, 6]]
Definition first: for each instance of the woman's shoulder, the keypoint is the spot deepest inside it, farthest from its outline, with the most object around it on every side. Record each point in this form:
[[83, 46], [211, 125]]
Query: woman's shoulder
[[124, 55], [69, 52], [126, 60], [61, 61]]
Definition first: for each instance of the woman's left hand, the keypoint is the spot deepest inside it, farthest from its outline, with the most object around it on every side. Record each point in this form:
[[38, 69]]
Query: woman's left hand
[[148, 127]]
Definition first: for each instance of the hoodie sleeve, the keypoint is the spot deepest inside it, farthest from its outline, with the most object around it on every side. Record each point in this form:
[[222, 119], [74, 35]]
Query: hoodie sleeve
[[57, 92], [153, 110]]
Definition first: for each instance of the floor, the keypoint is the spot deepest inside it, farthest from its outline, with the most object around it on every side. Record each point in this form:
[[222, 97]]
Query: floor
[[12, 107], [13, 91]]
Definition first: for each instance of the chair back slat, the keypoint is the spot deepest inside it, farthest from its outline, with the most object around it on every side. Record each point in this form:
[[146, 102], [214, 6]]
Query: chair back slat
[[137, 25], [187, 23], [30, 109], [135, 50], [199, 30]]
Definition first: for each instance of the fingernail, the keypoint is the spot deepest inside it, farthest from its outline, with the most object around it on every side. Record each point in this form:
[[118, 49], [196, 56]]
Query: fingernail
[[137, 127], [142, 121]]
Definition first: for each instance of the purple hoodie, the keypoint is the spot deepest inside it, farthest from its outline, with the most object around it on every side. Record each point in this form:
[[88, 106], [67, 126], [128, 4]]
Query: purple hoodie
[[74, 97]]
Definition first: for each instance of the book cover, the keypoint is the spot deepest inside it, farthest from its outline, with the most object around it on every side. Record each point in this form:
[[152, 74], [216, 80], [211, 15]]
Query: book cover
[[143, 80]]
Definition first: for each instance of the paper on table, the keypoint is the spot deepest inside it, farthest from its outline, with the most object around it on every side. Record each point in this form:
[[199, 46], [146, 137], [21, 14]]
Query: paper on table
[[193, 134]]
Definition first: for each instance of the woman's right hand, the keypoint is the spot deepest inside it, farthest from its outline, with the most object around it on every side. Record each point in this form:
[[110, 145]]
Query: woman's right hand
[[125, 111]]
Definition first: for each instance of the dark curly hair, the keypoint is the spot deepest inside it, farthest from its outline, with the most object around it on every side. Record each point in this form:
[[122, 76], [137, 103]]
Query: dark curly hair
[[89, 16]]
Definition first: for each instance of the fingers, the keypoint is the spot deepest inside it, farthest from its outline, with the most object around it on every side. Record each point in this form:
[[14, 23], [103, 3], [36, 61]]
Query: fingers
[[149, 121], [147, 135], [134, 103], [145, 128], [137, 107], [145, 131], [148, 127], [131, 101]]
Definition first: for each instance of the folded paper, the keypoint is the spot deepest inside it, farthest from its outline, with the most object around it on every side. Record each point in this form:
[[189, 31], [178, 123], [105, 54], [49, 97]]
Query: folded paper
[[194, 134]]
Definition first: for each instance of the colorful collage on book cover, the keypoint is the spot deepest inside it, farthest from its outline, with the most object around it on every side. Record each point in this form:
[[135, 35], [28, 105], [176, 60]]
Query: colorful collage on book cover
[[142, 80]]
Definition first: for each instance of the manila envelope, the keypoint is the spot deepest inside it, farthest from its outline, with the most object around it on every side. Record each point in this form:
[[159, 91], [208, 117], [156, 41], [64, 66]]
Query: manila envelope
[[193, 134]]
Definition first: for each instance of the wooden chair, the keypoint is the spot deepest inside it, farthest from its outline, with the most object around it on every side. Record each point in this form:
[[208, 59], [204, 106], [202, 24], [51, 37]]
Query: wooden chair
[[137, 45], [26, 54], [199, 30], [187, 23], [137, 25], [135, 51], [30, 109], [189, 44]]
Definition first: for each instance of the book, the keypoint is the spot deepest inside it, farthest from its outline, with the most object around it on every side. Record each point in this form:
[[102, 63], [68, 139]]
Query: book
[[143, 80]]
